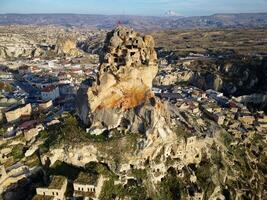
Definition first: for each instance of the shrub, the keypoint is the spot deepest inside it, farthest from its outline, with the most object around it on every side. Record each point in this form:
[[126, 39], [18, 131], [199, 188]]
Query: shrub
[[139, 173], [132, 191], [2, 131], [227, 138], [18, 152], [170, 188]]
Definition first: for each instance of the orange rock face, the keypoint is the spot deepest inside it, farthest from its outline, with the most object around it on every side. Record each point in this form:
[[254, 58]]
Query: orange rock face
[[122, 96], [128, 67], [129, 98]]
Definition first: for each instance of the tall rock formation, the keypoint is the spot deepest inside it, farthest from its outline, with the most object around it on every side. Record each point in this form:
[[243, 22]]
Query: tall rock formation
[[67, 46], [122, 96]]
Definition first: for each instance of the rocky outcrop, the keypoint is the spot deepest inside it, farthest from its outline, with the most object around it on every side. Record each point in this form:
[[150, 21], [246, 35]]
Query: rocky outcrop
[[67, 46], [235, 76], [15, 46], [122, 95]]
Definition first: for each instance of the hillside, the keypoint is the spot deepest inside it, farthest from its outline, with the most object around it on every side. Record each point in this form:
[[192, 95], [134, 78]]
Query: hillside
[[139, 22]]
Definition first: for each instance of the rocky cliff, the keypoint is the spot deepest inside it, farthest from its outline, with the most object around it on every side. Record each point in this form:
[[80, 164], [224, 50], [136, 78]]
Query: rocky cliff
[[67, 46], [122, 95], [19, 45]]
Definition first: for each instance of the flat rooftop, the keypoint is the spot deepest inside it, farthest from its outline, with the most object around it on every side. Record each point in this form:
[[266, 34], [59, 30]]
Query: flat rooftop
[[57, 182], [86, 178]]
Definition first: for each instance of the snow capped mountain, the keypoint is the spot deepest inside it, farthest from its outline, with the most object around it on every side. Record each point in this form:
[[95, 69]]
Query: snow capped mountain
[[172, 13]]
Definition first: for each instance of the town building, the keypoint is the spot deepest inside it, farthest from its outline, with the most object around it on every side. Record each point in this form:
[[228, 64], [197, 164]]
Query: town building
[[50, 93], [56, 189], [43, 106], [246, 119], [87, 186], [18, 112], [213, 113]]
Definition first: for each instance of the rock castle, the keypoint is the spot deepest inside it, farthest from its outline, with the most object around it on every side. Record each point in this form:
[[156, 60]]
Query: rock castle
[[122, 95]]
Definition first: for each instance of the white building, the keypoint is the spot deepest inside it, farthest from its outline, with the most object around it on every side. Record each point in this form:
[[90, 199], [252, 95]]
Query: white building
[[87, 186], [50, 93], [56, 189]]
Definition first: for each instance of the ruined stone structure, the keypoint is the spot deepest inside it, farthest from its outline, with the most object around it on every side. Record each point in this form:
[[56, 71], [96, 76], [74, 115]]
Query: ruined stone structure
[[122, 95]]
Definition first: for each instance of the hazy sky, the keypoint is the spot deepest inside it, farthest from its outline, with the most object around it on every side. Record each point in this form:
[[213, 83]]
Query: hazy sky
[[134, 7]]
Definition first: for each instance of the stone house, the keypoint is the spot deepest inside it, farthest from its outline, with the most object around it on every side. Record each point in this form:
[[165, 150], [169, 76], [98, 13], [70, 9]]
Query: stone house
[[247, 119], [50, 93], [18, 112], [88, 186], [45, 105], [213, 113], [64, 78], [67, 89], [56, 189]]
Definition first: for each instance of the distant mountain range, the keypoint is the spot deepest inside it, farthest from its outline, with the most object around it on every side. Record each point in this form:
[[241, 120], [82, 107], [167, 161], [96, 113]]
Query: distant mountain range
[[244, 20]]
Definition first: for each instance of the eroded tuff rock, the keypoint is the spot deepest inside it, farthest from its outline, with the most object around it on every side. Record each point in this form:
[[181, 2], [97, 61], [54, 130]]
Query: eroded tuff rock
[[67, 46], [18, 45], [122, 96]]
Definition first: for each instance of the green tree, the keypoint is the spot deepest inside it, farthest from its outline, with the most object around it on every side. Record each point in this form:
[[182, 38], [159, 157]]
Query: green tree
[[170, 188], [18, 152], [2, 131]]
